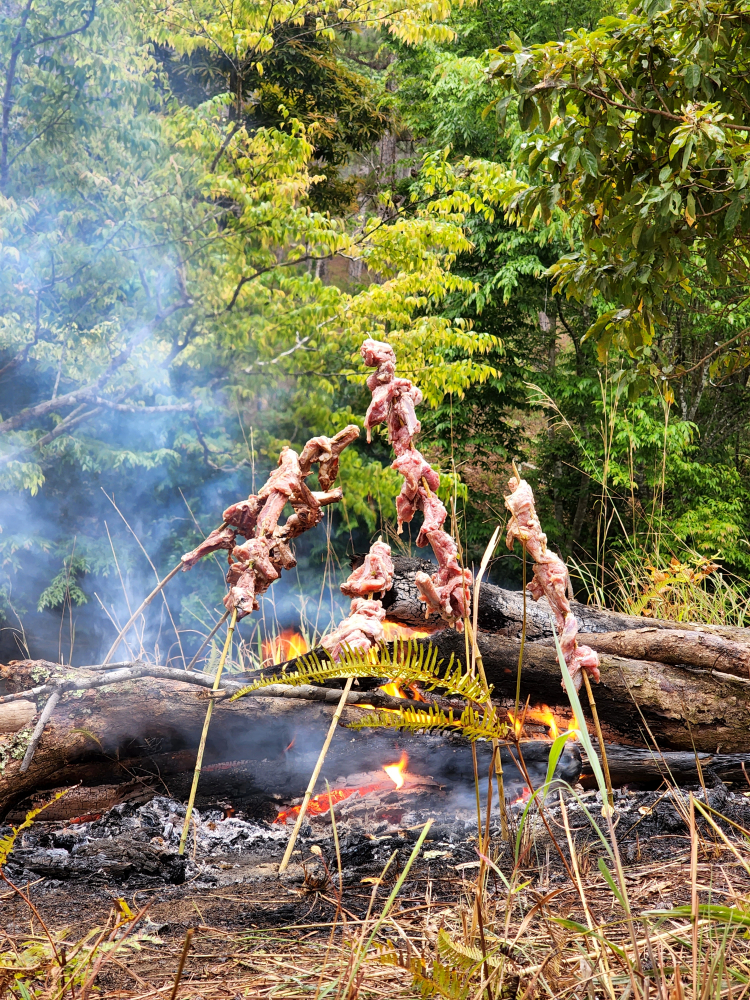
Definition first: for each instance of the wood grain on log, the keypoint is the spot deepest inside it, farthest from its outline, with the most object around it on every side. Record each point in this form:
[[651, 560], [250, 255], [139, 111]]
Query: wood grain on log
[[637, 765], [682, 707]]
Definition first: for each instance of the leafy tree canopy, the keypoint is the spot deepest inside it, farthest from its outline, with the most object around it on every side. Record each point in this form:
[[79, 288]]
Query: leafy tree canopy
[[638, 130]]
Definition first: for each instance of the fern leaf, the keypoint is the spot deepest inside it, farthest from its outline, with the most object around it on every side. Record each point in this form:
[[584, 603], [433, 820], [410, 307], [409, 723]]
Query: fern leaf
[[465, 957], [442, 981], [6, 843], [471, 724], [408, 662]]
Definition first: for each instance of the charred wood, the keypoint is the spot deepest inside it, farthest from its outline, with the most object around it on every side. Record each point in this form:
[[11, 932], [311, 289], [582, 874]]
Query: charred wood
[[651, 768]]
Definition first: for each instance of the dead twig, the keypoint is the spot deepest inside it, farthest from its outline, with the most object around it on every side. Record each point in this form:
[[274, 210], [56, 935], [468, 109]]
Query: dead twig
[[183, 959], [39, 729]]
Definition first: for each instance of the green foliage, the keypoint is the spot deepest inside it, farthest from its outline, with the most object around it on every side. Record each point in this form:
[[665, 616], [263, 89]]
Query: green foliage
[[64, 587], [638, 130], [407, 660]]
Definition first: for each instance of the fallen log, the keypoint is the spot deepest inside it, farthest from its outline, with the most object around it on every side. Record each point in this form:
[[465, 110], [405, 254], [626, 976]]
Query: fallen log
[[143, 733], [651, 768], [502, 612], [682, 708]]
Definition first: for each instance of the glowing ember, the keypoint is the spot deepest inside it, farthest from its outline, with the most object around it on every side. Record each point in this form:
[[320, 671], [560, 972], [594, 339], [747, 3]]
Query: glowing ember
[[284, 646], [322, 803], [396, 771], [523, 797]]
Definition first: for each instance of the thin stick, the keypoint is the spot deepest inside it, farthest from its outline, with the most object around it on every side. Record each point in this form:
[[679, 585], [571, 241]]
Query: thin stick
[[523, 640], [311, 784], [157, 590], [694, 892], [183, 959], [38, 730], [208, 638], [479, 662], [598, 728], [204, 734]]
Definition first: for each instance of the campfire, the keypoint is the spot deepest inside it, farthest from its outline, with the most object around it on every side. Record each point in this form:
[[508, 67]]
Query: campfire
[[398, 778], [287, 645]]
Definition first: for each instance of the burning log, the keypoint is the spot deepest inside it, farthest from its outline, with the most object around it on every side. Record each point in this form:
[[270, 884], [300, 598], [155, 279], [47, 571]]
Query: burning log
[[147, 729], [682, 707]]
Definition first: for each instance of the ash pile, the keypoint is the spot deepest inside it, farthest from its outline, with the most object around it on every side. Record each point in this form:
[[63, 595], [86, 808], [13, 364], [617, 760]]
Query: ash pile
[[136, 846]]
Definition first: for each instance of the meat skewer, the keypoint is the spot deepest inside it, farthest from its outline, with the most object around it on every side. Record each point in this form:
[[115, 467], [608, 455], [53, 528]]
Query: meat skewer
[[550, 580], [258, 561], [445, 592]]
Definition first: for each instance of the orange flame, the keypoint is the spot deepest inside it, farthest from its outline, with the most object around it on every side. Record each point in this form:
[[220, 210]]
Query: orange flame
[[399, 689], [543, 714], [523, 797], [515, 722], [396, 771], [394, 630], [285, 646], [322, 803]]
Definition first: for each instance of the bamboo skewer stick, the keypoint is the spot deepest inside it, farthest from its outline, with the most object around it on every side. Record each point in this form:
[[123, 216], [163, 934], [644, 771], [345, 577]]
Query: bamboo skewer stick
[[123, 631], [157, 590], [598, 728], [311, 785], [208, 638], [204, 734]]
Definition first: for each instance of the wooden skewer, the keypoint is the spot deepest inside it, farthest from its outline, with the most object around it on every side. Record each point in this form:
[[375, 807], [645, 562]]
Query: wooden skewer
[[157, 590], [204, 734], [123, 631], [598, 728], [208, 638], [311, 784]]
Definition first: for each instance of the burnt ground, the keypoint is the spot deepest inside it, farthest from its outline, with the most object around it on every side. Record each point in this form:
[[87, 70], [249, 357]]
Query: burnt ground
[[229, 889]]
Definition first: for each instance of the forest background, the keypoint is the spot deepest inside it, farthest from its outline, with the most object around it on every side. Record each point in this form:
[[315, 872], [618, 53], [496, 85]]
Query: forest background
[[204, 209]]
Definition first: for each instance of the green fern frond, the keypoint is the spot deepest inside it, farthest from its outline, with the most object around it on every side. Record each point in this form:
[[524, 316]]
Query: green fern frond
[[407, 662], [412, 719], [472, 724], [442, 982], [464, 957]]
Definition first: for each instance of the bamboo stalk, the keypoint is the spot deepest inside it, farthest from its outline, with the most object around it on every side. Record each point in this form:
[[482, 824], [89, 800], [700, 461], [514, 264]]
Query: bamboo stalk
[[208, 638], [314, 777], [204, 734], [598, 728], [477, 658]]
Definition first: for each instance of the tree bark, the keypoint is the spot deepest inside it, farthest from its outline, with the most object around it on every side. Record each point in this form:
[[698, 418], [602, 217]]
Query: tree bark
[[501, 612], [636, 765], [681, 707], [128, 739]]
